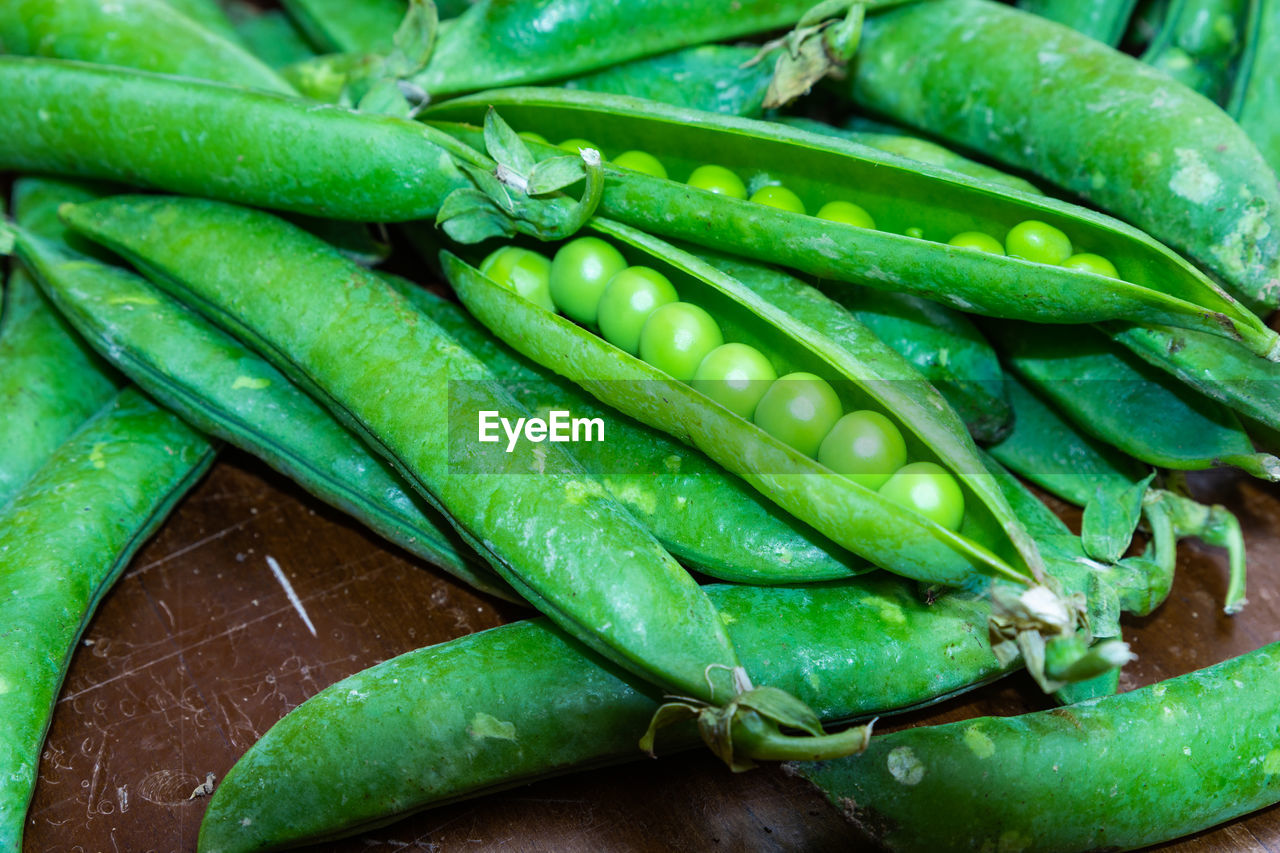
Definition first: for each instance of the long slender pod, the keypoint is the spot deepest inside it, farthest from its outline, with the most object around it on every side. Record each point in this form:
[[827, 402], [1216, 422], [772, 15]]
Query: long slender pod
[[221, 387], [1064, 779], [1257, 89], [391, 374], [1103, 20], [150, 35], [344, 27], [64, 539], [902, 197], [1158, 154], [471, 716], [50, 381], [269, 150], [700, 512]]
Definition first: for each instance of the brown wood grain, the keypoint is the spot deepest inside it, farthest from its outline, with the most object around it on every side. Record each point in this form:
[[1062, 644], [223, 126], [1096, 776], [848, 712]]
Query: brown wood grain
[[197, 651]]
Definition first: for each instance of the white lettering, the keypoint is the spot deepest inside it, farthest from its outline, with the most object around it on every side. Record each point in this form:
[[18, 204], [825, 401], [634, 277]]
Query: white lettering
[[513, 435], [559, 426], [589, 424], [487, 426]]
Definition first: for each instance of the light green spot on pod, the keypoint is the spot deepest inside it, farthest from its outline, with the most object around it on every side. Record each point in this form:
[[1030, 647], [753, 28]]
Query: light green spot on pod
[[133, 300], [577, 491], [891, 613], [250, 382], [96, 458], [977, 741], [488, 726], [672, 463], [1271, 764], [635, 496], [904, 766]]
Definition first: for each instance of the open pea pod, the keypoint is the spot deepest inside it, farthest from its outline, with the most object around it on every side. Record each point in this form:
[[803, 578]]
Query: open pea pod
[[989, 543], [1155, 285]]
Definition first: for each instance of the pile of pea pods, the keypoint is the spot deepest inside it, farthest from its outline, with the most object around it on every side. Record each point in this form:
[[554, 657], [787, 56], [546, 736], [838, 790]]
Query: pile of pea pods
[[845, 295]]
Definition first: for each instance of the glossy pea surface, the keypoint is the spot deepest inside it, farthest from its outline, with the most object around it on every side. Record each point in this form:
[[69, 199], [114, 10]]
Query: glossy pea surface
[[779, 197], [848, 213], [719, 180], [1037, 241], [524, 271], [978, 240], [736, 376], [1089, 262], [799, 409], [864, 446], [628, 300], [677, 337], [640, 161], [580, 271], [928, 489]]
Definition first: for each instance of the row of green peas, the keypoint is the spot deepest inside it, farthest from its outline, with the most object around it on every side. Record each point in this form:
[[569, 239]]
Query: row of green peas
[[637, 309], [1031, 240]]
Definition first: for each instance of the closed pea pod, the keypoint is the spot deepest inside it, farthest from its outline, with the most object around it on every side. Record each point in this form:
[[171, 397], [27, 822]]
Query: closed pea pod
[[64, 539], [544, 525], [221, 387], [1121, 400], [149, 35], [852, 649], [269, 150], [1161, 156], [1104, 20], [898, 194], [967, 785], [1199, 43]]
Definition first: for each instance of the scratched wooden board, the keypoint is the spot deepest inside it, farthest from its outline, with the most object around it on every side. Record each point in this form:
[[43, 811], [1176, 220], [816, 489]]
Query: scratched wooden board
[[201, 647]]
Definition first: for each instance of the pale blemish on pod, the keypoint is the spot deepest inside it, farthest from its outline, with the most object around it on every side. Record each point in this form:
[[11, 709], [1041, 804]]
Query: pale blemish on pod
[[904, 766], [488, 726]]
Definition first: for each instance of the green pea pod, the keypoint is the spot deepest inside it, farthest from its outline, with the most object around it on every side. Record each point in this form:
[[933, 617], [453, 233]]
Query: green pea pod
[[970, 785], [1160, 155], [50, 382], [1056, 456], [497, 43], [701, 513], [147, 34], [341, 26], [219, 386], [1103, 20], [268, 150], [1199, 43], [1215, 367], [64, 539], [899, 194], [709, 77], [852, 649], [856, 517], [1256, 90], [1128, 404], [915, 148], [945, 347], [394, 377]]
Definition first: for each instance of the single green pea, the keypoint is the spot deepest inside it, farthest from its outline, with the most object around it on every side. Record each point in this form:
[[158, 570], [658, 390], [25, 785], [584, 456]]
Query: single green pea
[[719, 180], [522, 270], [928, 489], [848, 213], [677, 337], [640, 161], [1088, 262], [915, 232], [1037, 241], [530, 136], [574, 145], [775, 195], [736, 376], [580, 271], [799, 409], [864, 446], [979, 240], [629, 298]]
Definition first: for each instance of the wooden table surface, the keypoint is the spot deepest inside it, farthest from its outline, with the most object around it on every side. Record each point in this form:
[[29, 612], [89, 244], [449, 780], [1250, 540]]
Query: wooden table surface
[[197, 651]]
